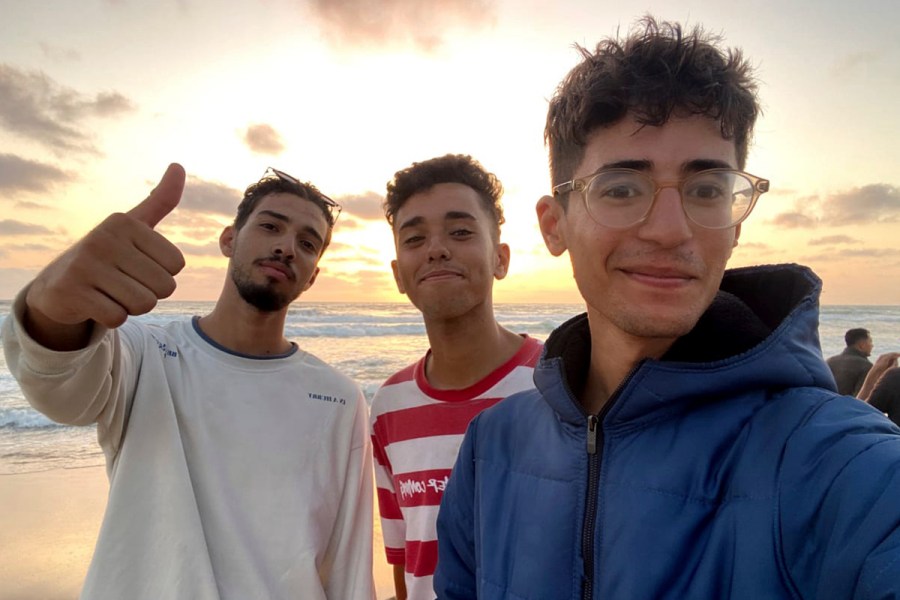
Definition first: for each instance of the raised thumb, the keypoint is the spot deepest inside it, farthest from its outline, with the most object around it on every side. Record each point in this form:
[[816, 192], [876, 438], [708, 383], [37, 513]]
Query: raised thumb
[[163, 199]]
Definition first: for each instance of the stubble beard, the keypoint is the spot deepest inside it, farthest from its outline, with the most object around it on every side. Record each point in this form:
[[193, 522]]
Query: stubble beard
[[262, 296]]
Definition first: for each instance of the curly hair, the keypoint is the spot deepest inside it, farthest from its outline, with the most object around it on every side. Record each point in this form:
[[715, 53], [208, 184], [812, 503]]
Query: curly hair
[[654, 73], [450, 168], [255, 192]]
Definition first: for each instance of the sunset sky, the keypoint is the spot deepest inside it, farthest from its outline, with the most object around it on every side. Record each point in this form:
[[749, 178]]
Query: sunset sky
[[98, 96]]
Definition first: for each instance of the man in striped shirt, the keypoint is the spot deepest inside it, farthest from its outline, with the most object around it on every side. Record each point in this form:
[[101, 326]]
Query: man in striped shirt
[[446, 215]]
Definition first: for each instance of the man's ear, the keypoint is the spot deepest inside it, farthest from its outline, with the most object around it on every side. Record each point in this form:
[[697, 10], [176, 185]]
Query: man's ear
[[552, 220], [501, 268], [226, 241], [397, 280], [311, 280]]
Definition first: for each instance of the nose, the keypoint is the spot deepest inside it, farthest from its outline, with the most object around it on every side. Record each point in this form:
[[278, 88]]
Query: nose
[[666, 224], [284, 247], [437, 249]]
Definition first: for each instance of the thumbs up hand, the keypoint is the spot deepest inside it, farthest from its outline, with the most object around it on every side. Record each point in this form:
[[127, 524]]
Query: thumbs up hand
[[121, 268]]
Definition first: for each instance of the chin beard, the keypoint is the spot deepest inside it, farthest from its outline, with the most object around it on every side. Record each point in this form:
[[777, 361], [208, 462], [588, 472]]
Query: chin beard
[[263, 298], [260, 296]]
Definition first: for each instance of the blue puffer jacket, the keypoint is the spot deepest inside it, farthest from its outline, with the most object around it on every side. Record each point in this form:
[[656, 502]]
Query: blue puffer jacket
[[728, 469]]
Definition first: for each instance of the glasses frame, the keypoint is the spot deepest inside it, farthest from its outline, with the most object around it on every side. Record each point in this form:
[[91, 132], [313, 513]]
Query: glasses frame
[[760, 187], [334, 209]]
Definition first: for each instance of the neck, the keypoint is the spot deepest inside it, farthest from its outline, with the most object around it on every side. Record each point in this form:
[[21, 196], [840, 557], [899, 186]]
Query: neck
[[241, 327], [466, 349], [614, 354]]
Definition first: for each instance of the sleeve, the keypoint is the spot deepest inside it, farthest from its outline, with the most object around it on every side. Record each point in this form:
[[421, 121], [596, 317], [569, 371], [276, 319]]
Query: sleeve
[[74, 388], [886, 395], [839, 518], [393, 527], [350, 549], [456, 567]]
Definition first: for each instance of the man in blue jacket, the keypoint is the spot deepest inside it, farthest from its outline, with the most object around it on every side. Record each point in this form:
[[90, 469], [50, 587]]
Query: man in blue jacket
[[685, 439]]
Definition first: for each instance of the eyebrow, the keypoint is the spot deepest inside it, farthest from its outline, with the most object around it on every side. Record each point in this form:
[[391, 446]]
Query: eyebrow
[[691, 166], [285, 219], [451, 215]]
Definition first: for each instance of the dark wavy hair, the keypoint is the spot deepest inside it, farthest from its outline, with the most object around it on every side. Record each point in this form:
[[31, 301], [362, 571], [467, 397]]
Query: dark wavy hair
[[450, 168], [274, 185], [658, 71]]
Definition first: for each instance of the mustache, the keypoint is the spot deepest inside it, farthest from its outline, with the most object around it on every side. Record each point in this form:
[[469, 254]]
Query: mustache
[[276, 258]]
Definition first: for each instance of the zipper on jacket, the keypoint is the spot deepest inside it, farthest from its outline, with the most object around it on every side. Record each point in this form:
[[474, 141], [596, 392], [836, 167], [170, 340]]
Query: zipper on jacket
[[595, 442], [590, 510]]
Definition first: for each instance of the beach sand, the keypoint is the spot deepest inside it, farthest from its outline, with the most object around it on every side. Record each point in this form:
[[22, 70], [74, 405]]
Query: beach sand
[[49, 523]]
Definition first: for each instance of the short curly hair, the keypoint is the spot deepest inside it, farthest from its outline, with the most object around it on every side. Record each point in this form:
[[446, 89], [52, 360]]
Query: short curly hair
[[655, 73], [450, 168]]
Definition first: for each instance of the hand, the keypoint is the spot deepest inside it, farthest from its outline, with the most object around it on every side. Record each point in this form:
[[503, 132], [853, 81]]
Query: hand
[[121, 268], [882, 364], [885, 362]]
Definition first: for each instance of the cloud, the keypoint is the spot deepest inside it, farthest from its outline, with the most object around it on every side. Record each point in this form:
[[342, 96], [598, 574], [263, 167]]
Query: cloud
[[192, 225], [263, 139], [21, 175], [59, 54], [209, 197], [35, 107], [875, 203], [792, 220], [851, 64], [14, 279], [852, 253], [833, 239], [399, 23], [26, 205], [866, 205], [11, 227], [210, 249], [363, 206]]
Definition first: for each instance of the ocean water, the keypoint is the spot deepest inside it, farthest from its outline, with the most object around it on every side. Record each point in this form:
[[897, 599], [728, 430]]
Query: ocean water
[[368, 342]]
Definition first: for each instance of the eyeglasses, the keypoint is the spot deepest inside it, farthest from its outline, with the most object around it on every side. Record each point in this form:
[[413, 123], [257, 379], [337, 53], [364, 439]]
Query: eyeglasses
[[332, 207], [714, 198]]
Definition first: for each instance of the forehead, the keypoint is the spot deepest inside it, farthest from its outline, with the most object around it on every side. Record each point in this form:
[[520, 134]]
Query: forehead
[[669, 147], [434, 203], [295, 208]]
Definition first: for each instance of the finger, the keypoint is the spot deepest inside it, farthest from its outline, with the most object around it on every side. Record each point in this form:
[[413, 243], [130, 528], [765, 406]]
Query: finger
[[163, 199], [159, 250], [149, 272], [131, 295]]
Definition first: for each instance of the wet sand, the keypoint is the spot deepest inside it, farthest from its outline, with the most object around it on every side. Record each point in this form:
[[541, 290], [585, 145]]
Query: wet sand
[[48, 527]]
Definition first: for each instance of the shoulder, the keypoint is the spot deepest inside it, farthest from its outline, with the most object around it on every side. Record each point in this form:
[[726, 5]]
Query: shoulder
[[522, 408], [314, 369], [887, 390], [833, 430], [401, 376]]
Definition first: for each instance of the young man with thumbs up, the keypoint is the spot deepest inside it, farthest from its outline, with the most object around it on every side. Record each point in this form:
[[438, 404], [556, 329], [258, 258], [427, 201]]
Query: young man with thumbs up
[[239, 465]]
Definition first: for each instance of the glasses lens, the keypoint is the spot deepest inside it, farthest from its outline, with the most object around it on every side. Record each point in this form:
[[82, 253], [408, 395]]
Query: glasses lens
[[717, 198], [619, 197]]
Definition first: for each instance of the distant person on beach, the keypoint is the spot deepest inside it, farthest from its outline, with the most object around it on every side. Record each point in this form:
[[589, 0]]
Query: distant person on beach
[[881, 388], [239, 465], [685, 439], [446, 215], [851, 366]]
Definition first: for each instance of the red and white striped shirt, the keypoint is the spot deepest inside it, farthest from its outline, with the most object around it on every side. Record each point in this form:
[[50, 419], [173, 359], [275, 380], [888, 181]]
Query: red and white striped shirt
[[416, 434]]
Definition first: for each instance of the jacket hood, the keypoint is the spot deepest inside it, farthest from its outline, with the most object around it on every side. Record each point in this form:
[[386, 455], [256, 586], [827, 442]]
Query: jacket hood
[[761, 331]]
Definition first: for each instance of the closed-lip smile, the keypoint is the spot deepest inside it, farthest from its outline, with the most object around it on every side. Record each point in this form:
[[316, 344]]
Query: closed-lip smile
[[655, 275]]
